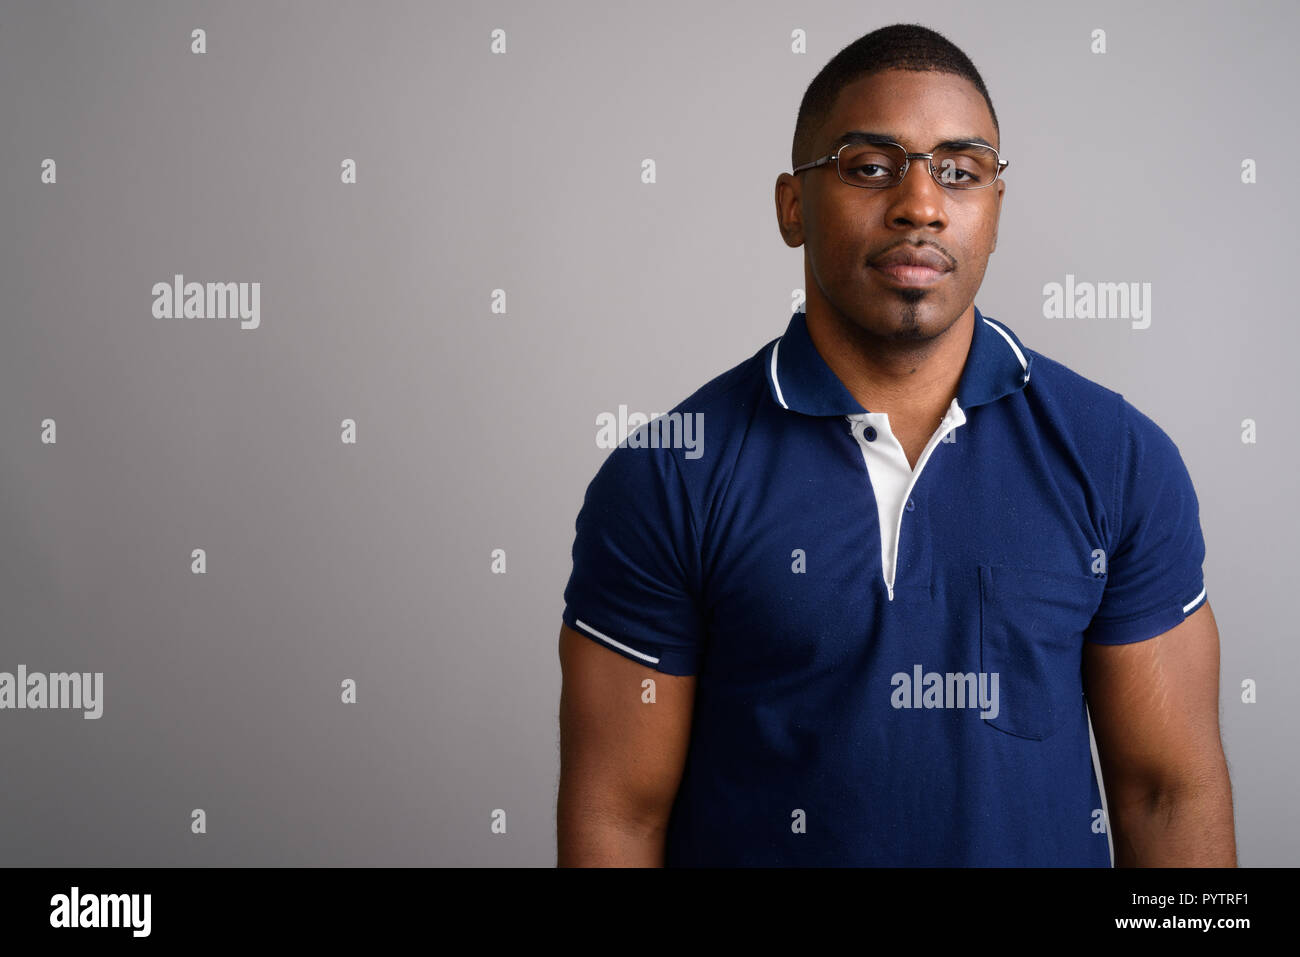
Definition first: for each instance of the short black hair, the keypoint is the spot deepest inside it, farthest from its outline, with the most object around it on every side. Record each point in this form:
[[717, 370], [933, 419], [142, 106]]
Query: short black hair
[[902, 46]]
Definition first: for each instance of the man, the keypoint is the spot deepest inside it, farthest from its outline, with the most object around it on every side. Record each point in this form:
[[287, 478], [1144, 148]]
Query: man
[[913, 559]]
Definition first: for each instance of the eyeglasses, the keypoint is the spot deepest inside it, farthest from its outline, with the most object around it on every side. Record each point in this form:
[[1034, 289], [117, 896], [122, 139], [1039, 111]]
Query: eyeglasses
[[881, 165]]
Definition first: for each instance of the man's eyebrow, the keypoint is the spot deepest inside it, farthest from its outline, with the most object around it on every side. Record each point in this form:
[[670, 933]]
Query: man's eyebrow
[[862, 136]]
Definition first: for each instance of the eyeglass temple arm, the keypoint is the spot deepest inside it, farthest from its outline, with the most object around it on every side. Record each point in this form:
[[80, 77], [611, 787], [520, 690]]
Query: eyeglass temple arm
[[821, 162]]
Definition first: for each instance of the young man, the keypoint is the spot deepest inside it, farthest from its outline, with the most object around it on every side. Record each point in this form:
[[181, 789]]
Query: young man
[[912, 559]]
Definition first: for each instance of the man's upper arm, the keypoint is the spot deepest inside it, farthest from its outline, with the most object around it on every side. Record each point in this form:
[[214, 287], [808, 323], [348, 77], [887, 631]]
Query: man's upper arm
[[1151, 658], [1154, 707], [623, 743], [632, 612]]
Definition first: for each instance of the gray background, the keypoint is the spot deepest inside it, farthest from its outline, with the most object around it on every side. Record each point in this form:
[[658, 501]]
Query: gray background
[[477, 431]]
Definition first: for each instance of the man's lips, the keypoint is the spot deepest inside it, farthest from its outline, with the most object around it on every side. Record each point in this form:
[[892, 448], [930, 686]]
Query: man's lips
[[911, 275], [912, 265]]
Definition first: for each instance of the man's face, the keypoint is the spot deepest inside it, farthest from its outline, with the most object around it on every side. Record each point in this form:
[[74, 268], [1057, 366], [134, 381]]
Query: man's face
[[845, 228]]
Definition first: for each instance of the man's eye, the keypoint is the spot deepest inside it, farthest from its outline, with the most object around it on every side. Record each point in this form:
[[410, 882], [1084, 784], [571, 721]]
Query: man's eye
[[950, 172]]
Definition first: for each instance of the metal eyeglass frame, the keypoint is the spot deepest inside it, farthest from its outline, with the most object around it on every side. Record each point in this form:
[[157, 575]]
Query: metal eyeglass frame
[[907, 164]]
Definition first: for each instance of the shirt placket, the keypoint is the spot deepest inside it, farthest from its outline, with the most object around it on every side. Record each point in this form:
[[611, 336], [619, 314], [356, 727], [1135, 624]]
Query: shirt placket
[[892, 477]]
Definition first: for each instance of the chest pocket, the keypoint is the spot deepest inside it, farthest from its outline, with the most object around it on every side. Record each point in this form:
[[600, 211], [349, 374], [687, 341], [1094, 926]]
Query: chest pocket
[[1031, 634]]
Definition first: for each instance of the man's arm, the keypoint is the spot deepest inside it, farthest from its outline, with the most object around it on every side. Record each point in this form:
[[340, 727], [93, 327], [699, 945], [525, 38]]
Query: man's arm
[[1154, 706], [621, 758]]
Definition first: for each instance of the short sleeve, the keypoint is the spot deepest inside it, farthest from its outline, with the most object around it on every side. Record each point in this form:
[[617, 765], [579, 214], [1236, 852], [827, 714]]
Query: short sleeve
[[1154, 575], [636, 570]]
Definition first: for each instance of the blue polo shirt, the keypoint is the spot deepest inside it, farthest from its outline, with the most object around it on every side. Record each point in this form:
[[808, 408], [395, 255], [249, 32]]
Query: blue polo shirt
[[887, 658]]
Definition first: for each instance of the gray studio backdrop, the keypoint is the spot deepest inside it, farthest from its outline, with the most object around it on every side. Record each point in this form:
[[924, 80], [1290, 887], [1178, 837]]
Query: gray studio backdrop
[[488, 179]]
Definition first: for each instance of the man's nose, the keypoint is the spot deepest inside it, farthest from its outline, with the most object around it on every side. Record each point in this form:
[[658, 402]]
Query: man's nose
[[918, 200]]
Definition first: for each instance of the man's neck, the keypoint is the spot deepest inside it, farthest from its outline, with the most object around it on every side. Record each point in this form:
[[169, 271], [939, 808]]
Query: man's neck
[[913, 382]]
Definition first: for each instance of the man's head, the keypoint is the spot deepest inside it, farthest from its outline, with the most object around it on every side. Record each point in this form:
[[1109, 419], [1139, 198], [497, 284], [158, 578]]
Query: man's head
[[912, 85]]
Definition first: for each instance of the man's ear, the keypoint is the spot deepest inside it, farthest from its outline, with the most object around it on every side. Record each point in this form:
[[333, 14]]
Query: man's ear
[[787, 210]]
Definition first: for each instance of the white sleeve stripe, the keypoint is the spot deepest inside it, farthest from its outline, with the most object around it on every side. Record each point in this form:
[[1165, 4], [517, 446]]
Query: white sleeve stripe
[[1195, 601], [605, 638]]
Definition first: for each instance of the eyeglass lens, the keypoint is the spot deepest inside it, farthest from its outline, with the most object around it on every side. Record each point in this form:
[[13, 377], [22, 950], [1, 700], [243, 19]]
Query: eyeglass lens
[[877, 165]]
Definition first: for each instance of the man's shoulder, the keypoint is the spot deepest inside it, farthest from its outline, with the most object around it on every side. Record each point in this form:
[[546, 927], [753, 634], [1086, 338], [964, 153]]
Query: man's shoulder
[[730, 392], [1112, 434], [1081, 397], [690, 442], [1067, 385]]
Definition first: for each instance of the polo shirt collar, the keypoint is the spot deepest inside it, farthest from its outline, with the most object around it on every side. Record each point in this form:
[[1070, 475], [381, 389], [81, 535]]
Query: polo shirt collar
[[799, 379]]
